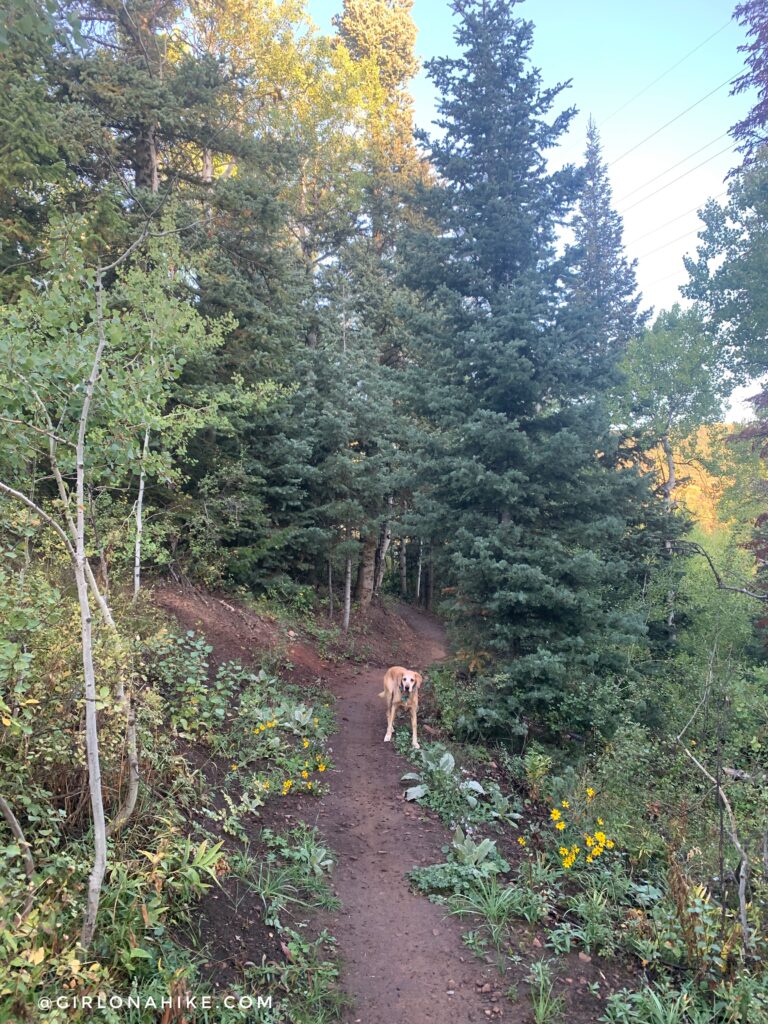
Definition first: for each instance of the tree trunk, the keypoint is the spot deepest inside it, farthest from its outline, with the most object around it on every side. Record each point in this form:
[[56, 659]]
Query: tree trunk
[[330, 587], [669, 486], [140, 520], [365, 572], [669, 501], [99, 866], [381, 554], [418, 571], [347, 593], [145, 162], [430, 588], [403, 562]]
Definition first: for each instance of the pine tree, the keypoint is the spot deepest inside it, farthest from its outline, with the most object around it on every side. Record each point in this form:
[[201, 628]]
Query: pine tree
[[751, 133], [603, 299], [40, 137], [541, 518]]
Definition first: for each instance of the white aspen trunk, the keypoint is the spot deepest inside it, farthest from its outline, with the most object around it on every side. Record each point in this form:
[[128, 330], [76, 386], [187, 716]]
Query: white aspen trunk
[[386, 540], [99, 866], [330, 587], [671, 484], [94, 766], [418, 570], [403, 563], [669, 490], [347, 593], [140, 520]]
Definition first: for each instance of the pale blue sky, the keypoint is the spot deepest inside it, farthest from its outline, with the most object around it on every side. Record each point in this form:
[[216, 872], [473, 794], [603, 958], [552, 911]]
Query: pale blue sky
[[612, 50]]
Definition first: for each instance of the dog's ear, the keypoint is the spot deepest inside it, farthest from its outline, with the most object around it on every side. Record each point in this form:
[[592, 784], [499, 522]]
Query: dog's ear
[[419, 678]]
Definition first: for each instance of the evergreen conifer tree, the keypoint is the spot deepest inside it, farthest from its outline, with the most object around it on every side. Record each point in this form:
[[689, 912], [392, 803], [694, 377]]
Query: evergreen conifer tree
[[603, 300], [541, 516]]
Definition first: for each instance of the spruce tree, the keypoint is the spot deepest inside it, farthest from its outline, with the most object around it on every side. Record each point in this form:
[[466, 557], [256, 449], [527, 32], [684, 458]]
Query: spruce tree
[[603, 299], [540, 515]]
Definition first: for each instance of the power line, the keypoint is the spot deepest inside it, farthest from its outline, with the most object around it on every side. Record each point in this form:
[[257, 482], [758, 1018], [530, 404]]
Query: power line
[[666, 277], [678, 178], [680, 216], [666, 245], [672, 120], [665, 73], [672, 168]]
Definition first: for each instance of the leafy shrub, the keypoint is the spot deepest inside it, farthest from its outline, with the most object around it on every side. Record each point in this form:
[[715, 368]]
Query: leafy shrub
[[466, 862], [439, 785]]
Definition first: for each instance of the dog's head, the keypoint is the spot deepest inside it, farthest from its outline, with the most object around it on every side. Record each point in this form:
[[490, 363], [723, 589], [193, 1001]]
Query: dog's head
[[409, 683]]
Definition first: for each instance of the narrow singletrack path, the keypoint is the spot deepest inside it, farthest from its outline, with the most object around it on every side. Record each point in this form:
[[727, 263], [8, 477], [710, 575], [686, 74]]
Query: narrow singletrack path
[[403, 959]]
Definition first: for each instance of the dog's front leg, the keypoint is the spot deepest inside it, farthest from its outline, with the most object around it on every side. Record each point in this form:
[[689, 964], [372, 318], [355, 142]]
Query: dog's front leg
[[390, 719], [414, 737]]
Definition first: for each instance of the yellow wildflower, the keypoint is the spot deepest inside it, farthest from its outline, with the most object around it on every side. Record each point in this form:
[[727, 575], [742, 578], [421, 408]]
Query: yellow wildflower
[[590, 793], [521, 841], [564, 851], [610, 844], [565, 804], [560, 826], [554, 814], [321, 767], [306, 743], [305, 774], [600, 821], [233, 767]]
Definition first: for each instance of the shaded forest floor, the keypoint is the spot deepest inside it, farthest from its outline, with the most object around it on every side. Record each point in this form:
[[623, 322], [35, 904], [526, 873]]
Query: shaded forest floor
[[402, 957]]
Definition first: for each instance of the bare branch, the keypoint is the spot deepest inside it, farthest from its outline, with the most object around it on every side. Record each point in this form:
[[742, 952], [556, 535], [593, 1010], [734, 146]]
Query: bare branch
[[36, 430], [733, 835], [690, 547], [26, 853], [12, 492], [704, 697]]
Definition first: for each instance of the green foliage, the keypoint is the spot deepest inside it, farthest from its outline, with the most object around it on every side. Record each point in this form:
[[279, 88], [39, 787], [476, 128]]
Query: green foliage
[[676, 376], [547, 1006], [467, 862], [301, 846], [457, 800]]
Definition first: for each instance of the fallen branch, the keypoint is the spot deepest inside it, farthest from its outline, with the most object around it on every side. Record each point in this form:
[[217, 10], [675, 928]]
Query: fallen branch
[[26, 853], [733, 835]]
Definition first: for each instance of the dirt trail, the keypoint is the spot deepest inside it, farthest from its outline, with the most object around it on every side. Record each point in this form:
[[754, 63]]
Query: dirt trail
[[403, 959], [400, 952]]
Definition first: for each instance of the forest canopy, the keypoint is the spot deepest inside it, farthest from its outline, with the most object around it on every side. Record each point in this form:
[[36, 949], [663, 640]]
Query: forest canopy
[[260, 335]]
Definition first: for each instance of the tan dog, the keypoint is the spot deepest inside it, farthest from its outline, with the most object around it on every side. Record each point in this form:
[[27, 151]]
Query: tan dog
[[401, 690]]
